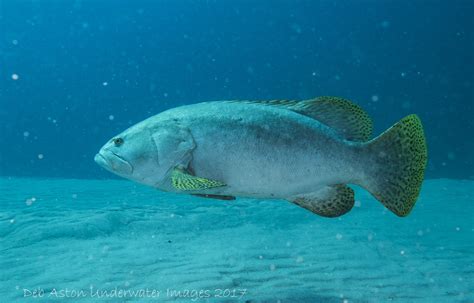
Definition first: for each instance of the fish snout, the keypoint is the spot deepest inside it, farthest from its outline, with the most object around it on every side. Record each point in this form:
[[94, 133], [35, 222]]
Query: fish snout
[[113, 162]]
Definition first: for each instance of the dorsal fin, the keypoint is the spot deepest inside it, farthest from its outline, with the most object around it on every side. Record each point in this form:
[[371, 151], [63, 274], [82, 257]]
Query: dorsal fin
[[346, 118]]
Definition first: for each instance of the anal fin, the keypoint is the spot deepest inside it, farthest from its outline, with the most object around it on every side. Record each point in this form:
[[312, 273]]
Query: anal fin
[[333, 201]]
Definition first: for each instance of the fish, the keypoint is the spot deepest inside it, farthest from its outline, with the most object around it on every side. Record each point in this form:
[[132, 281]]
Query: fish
[[306, 152]]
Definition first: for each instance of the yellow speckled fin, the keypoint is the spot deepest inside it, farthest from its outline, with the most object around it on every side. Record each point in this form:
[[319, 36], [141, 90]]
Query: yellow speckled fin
[[333, 202], [347, 118], [397, 165], [181, 180]]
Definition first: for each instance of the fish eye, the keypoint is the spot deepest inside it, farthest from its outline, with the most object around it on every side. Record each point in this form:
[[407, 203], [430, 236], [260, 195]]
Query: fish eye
[[117, 141]]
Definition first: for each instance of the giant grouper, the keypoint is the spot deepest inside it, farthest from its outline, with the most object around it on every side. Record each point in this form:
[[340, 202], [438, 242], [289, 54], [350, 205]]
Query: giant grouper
[[305, 152]]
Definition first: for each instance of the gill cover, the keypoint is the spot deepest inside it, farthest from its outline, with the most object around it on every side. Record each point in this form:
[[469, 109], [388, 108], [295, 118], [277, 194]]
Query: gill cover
[[174, 145]]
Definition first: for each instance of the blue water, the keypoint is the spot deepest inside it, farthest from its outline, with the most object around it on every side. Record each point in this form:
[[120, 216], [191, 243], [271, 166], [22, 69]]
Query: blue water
[[75, 73]]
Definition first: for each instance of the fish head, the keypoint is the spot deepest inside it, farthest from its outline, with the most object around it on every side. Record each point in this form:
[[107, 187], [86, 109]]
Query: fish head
[[131, 154]]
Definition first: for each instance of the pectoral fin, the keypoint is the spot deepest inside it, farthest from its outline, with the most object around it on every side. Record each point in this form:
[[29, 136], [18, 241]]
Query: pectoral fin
[[334, 201], [181, 180]]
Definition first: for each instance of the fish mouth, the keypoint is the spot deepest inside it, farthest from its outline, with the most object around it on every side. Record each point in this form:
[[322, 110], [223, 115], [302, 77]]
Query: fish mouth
[[113, 163]]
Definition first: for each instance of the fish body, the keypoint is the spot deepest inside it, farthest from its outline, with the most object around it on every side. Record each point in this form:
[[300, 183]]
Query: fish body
[[305, 152]]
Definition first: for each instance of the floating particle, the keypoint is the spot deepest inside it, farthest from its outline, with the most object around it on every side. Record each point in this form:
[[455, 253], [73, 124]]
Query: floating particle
[[403, 74], [402, 252], [74, 196], [313, 74], [15, 77], [345, 301], [370, 237], [458, 228], [26, 134], [260, 257], [375, 98], [40, 156], [105, 83], [15, 42], [339, 236], [299, 259], [272, 267], [111, 117], [12, 221], [288, 244], [357, 203], [165, 95], [385, 24], [420, 233], [30, 201], [337, 77]]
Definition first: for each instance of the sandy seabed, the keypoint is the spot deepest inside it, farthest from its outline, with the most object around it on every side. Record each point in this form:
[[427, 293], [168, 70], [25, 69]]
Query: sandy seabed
[[115, 241]]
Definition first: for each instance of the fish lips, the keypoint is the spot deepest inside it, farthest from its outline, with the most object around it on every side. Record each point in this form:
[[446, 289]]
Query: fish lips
[[113, 163]]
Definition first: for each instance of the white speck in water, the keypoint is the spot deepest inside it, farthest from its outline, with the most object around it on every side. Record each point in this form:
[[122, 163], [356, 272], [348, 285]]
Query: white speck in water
[[26, 134], [299, 259], [30, 201], [15, 42], [370, 237], [288, 244], [105, 83], [420, 233], [12, 221], [402, 252], [172, 215], [337, 77], [127, 284], [375, 98], [111, 117], [165, 95], [40, 156], [339, 236], [74, 196], [272, 267], [260, 257], [357, 203], [313, 74], [403, 74], [458, 228], [15, 77], [345, 301]]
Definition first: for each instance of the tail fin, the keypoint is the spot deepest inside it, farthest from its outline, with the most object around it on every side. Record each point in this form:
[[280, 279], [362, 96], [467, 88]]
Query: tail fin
[[398, 159]]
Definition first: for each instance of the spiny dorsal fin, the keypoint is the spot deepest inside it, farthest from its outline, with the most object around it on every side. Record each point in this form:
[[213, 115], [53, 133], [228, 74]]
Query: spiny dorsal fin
[[346, 118], [332, 202]]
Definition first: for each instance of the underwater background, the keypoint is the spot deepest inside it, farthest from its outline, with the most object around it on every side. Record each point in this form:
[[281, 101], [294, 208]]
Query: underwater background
[[75, 73]]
